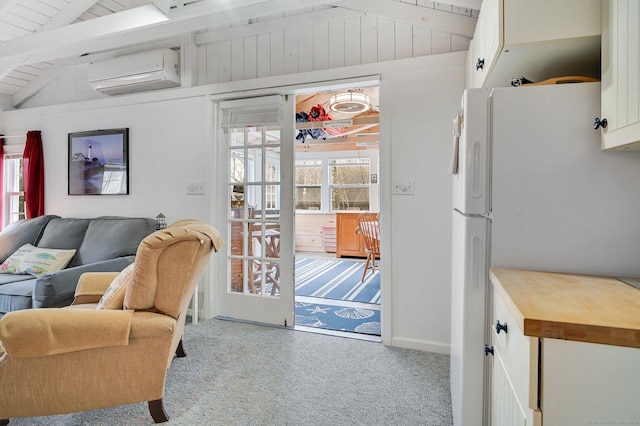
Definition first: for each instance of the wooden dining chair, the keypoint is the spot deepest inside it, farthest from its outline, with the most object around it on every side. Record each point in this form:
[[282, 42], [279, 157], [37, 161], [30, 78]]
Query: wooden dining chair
[[369, 229]]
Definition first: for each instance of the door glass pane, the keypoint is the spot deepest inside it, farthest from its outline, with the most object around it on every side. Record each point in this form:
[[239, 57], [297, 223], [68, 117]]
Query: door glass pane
[[254, 212]]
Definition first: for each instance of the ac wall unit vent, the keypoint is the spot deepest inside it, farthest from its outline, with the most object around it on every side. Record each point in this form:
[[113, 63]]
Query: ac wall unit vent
[[156, 69]]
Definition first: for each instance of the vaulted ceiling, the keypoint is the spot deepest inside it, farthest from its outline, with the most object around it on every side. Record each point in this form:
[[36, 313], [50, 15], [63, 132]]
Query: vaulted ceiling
[[39, 39]]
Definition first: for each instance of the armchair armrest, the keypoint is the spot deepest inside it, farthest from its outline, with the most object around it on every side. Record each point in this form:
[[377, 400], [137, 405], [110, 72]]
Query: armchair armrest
[[42, 332], [91, 286]]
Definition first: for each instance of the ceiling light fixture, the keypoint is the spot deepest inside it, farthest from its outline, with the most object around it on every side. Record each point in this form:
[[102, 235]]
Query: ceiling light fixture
[[350, 102]]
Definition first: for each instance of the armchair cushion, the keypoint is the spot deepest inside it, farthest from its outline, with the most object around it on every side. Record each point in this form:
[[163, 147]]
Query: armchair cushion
[[113, 297], [57, 330], [36, 261]]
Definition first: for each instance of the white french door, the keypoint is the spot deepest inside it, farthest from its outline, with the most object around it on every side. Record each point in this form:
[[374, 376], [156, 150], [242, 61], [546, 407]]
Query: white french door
[[255, 168]]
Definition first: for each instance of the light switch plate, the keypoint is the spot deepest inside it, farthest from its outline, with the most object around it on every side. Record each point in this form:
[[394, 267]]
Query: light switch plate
[[404, 187], [195, 188]]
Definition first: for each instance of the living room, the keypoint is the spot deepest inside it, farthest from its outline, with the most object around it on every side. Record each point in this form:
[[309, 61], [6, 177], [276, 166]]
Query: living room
[[174, 130]]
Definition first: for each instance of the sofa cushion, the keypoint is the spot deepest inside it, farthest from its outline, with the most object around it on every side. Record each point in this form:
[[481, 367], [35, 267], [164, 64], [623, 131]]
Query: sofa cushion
[[16, 295], [17, 234], [113, 297], [64, 233], [36, 261], [112, 237]]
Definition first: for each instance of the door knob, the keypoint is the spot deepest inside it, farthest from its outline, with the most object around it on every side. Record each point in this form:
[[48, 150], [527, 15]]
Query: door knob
[[501, 327], [480, 64]]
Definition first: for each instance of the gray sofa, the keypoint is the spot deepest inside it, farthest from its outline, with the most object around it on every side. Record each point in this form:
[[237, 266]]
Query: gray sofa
[[106, 243]]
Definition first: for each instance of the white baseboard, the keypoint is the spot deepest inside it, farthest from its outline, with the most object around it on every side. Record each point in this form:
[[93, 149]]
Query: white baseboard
[[420, 345]]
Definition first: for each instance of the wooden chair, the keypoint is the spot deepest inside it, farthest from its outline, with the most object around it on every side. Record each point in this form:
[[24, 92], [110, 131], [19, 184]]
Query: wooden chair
[[369, 229]]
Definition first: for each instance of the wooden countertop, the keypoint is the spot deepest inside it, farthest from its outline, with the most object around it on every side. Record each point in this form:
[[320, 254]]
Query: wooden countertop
[[571, 307]]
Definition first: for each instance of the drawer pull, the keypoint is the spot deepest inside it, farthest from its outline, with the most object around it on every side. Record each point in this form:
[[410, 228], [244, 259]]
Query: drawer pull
[[502, 327], [488, 350], [597, 123]]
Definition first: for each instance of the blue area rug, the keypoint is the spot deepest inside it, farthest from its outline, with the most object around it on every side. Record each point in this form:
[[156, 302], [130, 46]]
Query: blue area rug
[[336, 279], [357, 318]]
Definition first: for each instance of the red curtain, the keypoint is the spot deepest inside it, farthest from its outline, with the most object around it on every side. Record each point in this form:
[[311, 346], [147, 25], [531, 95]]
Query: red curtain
[[2, 188], [33, 175]]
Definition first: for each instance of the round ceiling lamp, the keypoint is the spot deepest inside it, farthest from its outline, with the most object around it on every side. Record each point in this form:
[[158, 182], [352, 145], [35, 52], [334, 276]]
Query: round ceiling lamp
[[350, 102]]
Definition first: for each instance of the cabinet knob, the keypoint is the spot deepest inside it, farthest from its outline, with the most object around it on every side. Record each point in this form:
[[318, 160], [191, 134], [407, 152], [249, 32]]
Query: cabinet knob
[[501, 327], [597, 123], [488, 350], [480, 64]]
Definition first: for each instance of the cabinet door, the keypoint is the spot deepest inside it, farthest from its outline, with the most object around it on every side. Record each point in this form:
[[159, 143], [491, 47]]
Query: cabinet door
[[348, 242], [621, 74], [506, 409], [515, 370], [486, 43]]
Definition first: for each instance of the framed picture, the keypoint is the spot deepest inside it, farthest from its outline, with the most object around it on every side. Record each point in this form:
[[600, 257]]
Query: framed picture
[[99, 162]]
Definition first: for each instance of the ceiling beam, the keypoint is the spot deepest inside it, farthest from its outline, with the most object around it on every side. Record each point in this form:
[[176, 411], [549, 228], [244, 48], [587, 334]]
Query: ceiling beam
[[411, 14], [468, 4], [113, 32]]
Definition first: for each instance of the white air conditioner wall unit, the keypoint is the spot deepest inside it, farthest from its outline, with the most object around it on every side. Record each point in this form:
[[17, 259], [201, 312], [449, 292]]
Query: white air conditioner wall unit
[[156, 69]]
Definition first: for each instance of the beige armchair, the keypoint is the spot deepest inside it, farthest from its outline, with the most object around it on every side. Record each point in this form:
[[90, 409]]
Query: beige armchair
[[63, 360]]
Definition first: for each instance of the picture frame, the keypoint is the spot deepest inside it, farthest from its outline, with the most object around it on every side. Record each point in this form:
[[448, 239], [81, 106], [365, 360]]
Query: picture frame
[[98, 162]]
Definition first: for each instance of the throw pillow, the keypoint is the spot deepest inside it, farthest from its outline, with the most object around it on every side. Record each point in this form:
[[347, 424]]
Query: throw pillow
[[36, 261], [113, 298]]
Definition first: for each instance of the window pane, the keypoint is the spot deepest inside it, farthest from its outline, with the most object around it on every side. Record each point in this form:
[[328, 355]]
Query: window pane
[[350, 198], [349, 171], [272, 135], [234, 137], [309, 172], [236, 165], [308, 197]]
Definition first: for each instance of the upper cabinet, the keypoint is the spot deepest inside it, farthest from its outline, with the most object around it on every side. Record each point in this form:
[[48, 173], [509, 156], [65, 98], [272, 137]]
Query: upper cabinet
[[536, 40], [620, 74]]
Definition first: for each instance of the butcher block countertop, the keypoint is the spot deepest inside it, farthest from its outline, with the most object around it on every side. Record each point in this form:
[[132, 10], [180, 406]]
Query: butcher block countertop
[[571, 307]]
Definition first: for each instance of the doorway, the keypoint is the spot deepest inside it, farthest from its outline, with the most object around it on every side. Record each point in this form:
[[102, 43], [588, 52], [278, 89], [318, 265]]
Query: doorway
[[336, 180]]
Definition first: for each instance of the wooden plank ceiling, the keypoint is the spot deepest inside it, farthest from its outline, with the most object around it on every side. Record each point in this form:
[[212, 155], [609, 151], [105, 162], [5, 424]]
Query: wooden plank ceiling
[[40, 39]]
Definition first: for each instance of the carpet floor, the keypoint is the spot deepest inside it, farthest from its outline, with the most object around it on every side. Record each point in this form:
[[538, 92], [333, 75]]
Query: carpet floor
[[249, 375]]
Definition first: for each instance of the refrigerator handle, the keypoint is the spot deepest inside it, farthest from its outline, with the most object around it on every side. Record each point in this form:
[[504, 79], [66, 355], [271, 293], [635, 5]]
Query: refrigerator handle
[[457, 127]]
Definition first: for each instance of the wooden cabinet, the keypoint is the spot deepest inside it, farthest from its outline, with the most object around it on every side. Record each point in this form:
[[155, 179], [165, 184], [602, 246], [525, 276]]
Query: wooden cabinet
[[348, 242], [536, 40], [555, 381], [620, 74]]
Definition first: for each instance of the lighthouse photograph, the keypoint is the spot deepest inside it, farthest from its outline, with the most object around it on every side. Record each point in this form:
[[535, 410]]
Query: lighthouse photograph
[[98, 162]]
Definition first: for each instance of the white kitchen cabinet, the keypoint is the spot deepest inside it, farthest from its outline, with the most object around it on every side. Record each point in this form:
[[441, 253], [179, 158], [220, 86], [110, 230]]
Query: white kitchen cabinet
[[542, 381], [620, 74], [536, 40], [515, 371]]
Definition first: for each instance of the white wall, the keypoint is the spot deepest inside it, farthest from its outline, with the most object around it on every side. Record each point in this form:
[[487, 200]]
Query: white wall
[[418, 107], [167, 149]]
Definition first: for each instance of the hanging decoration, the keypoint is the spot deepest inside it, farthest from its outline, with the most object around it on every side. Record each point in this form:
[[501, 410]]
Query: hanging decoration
[[317, 113]]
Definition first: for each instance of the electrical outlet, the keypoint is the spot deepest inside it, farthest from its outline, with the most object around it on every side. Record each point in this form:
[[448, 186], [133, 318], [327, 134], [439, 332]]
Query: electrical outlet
[[403, 187], [195, 188]]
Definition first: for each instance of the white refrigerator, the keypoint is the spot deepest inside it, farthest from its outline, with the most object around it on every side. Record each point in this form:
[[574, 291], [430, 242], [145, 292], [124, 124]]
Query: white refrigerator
[[531, 190]]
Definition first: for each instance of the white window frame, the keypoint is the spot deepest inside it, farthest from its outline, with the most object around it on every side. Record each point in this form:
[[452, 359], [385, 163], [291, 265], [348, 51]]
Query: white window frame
[[11, 198], [326, 158], [366, 185]]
